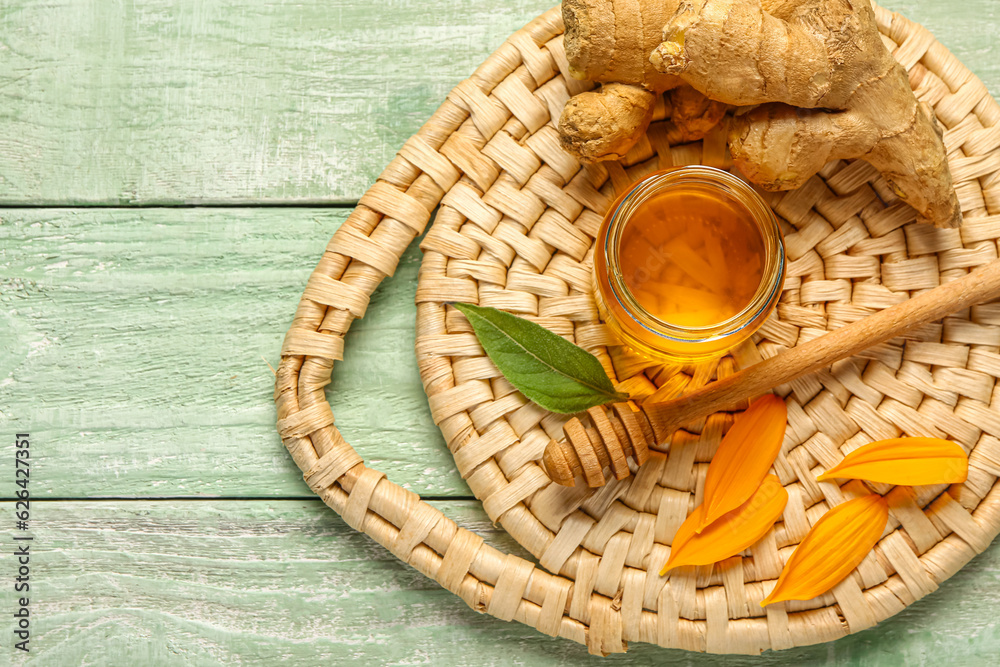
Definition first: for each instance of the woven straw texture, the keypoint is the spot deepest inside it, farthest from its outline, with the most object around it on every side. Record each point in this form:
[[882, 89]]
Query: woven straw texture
[[515, 230]]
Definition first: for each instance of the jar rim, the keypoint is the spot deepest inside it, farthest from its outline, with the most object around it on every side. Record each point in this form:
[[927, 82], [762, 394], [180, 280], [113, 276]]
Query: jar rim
[[772, 278]]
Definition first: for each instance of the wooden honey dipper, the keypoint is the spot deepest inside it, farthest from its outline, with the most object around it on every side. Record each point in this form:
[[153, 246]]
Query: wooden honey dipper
[[620, 432]]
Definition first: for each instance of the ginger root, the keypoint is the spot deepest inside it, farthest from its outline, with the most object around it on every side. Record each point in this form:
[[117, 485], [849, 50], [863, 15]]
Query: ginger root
[[603, 44], [826, 86], [604, 124], [693, 114]]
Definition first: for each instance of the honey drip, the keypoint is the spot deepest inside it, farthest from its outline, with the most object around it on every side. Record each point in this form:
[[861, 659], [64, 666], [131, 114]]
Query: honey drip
[[692, 259]]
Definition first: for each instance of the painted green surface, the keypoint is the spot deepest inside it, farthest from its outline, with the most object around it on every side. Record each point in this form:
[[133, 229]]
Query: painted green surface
[[133, 341], [180, 101], [267, 582], [134, 346], [152, 101]]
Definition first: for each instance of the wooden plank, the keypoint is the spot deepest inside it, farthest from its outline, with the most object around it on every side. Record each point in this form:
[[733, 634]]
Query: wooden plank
[[184, 101], [187, 101], [263, 582], [133, 346]]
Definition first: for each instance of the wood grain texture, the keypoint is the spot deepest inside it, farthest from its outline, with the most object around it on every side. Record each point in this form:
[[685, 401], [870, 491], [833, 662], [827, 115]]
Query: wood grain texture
[[133, 347], [978, 286], [565, 465], [159, 101], [187, 101], [267, 582]]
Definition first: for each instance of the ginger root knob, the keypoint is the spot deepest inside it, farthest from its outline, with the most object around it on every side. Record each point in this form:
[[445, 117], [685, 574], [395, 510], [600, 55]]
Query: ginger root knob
[[604, 124]]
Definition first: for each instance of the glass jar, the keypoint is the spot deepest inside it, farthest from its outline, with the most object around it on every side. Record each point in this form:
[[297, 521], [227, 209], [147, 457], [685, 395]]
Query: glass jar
[[631, 318]]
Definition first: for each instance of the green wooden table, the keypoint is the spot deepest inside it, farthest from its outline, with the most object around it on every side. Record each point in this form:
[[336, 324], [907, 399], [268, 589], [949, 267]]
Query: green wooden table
[[170, 172]]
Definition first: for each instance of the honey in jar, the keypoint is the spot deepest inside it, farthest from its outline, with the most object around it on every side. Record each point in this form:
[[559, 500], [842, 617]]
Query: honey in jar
[[697, 262], [689, 263]]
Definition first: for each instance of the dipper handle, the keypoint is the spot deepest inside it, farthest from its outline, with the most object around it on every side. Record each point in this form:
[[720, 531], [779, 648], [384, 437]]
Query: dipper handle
[[978, 286]]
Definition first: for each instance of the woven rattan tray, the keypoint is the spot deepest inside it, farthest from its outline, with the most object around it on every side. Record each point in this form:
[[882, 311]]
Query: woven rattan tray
[[515, 229]]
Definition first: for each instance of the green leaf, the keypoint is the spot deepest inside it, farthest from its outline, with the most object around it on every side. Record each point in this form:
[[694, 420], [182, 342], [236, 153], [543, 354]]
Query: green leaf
[[548, 369]]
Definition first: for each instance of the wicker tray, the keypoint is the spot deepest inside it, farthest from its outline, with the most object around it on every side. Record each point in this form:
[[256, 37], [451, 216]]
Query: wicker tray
[[515, 230]]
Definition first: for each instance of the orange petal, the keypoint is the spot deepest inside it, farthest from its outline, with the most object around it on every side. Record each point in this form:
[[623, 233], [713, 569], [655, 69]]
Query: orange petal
[[910, 461], [731, 533], [836, 545], [744, 457]]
